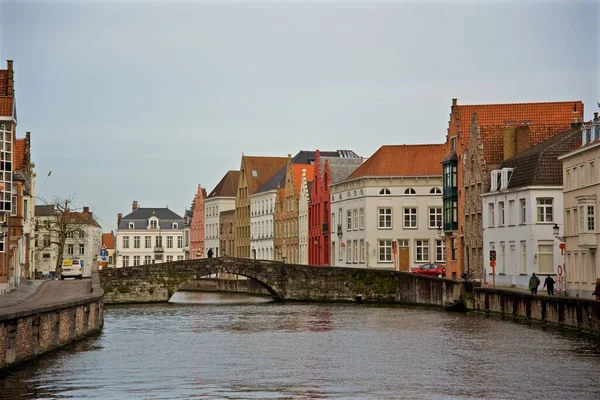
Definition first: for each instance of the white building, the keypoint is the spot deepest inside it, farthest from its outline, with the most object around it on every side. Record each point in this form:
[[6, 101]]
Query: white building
[[262, 217], [148, 236], [524, 203], [303, 206], [222, 198], [393, 200], [581, 196], [84, 238]]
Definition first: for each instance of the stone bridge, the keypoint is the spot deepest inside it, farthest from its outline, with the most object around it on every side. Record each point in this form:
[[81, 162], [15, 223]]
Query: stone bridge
[[158, 282]]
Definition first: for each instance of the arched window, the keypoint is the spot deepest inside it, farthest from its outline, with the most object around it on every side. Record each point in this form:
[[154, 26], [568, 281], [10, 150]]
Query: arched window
[[174, 226], [348, 194], [131, 225], [410, 191], [362, 192], [385, 191], [435, 190], [355, 193]]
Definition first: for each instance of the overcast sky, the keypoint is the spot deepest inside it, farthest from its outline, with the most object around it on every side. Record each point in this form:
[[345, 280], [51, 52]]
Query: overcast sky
[[143, 100]]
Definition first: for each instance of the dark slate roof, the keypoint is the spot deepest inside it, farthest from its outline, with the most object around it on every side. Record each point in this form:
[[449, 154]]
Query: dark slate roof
[[539, 165], [450, 157], [140, 218], [308, 157], [309, 186], [44, 210], [227, 186], [341, 168]]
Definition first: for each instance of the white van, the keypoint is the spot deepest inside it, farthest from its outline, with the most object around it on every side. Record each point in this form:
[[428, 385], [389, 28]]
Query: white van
[[72, 269]]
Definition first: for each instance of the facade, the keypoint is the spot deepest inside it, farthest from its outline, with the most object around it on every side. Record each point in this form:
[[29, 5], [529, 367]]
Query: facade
[[520, 210], [108, 243], [392, 201], [328, 170], [254, 172], [83, 238], [581, 195], [221, 198], [8, 129], [476, 141], [303, 205], [197, 226], [286, 212], [262, 218], [148, 236], [226, 236], [187, 218]]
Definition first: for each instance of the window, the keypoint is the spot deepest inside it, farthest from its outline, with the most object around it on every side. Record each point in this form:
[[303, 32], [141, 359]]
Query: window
[[385, 218], [385, 251], [70, 249], [355, 219], [511, 212], [576, 221], [440, 251], [332, 222], [491, 215], [136, 242], [546, 257], [175, 225], [453, 143], [179, 258], [362, 251], [136, 261], [523, 257], [46, 240], [587, 221], [522, 211], [169, 242], [435, 190], [348, 252], [125, 261], [125, 242], [435, 217], [147, 260], [410, 217], [147, 242], [81, 249], [179, 242], [502, 257], [158, 241], [69, 235], [567, 179], [131, 225], [575, 178], [355, 253], [349, 220], [153, 224], [361, 218], [81, 234], [591, 225], [169, 258], [410, 191], [341, 251], [340, 218], [422, 250], [500, 213], [384, 192], [544, 209], [592, 174]]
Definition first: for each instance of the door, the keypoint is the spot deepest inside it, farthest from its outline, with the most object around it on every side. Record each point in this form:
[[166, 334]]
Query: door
[[403, 256]]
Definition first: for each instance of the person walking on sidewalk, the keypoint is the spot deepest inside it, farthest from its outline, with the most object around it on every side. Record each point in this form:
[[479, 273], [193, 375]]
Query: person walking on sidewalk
[[597, 289], [549, 285], [534, 282]]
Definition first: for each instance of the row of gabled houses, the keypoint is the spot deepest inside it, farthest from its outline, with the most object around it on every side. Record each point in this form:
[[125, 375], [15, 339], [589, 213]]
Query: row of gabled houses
[[492, 191]]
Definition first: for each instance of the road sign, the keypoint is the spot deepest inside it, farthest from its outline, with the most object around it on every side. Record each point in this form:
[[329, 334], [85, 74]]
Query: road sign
[[493, 264], [560, 279], [492, 256], [103, 259], [559, 269], [103, 252]]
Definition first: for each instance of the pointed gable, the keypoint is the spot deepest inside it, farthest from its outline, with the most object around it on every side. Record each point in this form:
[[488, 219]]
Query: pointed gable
[[297, 174], [258, 170], [227, 186]]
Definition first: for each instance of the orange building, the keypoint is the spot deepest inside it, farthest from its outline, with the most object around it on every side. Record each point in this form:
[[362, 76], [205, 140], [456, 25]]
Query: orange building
[[479, 138], [197, 226]]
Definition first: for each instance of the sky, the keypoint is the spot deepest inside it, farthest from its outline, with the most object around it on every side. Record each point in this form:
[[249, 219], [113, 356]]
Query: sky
[[144, 100]]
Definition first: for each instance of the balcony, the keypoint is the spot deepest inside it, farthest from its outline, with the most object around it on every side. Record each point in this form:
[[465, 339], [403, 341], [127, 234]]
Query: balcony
[[588, 240], [159, 249], [325, 228]]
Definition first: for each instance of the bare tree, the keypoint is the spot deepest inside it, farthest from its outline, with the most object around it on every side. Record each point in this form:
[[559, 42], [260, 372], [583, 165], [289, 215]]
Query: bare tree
[[63, 222]]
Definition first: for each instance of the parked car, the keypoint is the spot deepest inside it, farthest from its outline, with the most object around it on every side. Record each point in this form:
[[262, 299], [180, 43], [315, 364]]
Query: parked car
[[438, 270]]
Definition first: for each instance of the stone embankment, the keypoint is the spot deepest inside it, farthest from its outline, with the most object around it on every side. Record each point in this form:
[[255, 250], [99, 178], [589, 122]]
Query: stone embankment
[[53, 315], [248, 286]]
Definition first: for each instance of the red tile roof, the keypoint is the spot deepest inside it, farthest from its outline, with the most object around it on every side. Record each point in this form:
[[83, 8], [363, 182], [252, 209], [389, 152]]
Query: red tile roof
[[403, 160], [260, 169], [297, 174], [3, 82], [108, 240], [19, 154]]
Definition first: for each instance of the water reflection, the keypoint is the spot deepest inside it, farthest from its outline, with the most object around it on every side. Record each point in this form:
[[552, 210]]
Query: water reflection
[[195, 297], [252, 349]]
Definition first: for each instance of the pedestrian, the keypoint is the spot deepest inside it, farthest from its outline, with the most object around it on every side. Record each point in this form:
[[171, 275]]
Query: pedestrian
[[534, 282], [549, 285], [597, 289], [210, 253]]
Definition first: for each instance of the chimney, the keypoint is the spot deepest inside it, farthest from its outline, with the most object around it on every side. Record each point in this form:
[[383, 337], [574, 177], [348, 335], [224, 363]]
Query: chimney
[[10, 78], [523, 142], [134, 205], [454, 101], [86, 210], [119, 216], [596, 116], [576, 123], [510, 141], [27, 148]]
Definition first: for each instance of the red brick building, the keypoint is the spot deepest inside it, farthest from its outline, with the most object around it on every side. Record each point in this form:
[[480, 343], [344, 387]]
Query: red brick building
[[197, 226], [479, 139]]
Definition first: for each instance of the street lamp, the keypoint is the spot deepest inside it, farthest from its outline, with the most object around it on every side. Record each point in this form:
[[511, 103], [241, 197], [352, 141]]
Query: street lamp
[[561, 271]]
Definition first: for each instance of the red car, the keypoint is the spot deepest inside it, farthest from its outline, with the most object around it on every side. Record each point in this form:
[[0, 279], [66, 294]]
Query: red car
[[438, 270]]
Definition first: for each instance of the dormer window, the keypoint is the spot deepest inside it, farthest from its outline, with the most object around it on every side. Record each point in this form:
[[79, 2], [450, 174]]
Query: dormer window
[[131, 225], [495, 180], [254, 173], [153, 224], [505, 178], [410, 191], [384, 192], [175, 225], [435, 190]]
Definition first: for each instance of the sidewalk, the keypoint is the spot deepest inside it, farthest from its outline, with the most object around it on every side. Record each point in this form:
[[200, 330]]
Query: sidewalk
[[574, 294], [26, 290]]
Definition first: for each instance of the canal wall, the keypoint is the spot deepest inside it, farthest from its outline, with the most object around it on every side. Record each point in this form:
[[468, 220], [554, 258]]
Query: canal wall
[[49, 321], [569, 312], [226, 285]]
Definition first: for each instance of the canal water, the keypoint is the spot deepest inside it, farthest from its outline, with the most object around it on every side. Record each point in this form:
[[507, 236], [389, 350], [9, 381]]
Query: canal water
[[236, 347]]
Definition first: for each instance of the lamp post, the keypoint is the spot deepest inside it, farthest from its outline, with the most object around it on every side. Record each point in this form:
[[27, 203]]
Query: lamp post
[[5, 239], [561, 271]]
